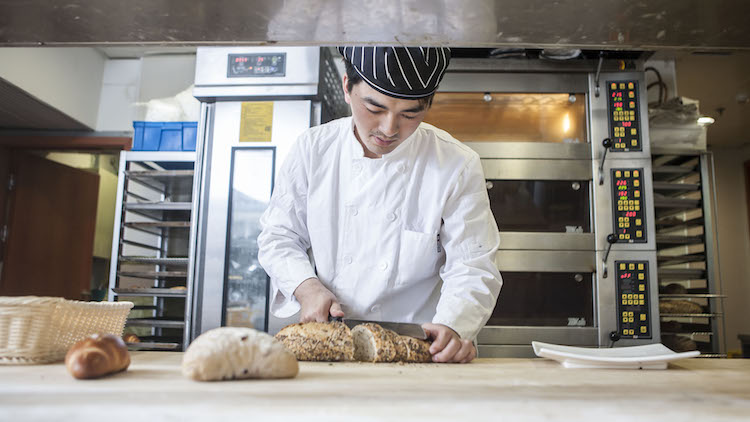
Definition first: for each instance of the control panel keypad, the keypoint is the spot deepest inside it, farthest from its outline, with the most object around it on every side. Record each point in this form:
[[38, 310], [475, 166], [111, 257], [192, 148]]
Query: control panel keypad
[[633, 304], [623, 116], [629, 205]]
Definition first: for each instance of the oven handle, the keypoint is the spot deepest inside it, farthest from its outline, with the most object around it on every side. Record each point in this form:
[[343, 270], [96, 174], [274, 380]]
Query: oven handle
[[611, 239], [606, 143]]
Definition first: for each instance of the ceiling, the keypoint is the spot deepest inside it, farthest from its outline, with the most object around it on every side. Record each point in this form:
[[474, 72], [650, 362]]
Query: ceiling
[[594, 24]]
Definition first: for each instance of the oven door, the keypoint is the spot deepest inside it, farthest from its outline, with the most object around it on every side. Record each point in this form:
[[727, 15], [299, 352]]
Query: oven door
[[541, 204], [547, 296]]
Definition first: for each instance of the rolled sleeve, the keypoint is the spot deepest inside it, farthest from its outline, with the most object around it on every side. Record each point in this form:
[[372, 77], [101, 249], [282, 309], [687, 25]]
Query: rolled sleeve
[[284, 241], [471, 281]]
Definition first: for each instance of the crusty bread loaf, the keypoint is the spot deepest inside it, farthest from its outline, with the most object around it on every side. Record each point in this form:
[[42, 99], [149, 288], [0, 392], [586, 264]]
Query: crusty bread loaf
[[417, 350], [679, 343], [679, 307], [318, 341], [229, 353], [96, 356], [131, 338], [674, 289], [373, 343]]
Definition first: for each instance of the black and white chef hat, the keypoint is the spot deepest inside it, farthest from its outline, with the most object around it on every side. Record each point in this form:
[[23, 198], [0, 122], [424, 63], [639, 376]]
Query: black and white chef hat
[[402, 72]]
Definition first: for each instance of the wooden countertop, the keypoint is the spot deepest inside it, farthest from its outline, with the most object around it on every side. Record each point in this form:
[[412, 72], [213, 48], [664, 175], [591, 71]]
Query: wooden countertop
[[153, 389]]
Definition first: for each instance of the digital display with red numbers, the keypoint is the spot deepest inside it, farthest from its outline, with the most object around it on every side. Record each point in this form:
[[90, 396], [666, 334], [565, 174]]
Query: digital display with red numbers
[[623, 116], [629, 205], [256, 65], [632, 299]]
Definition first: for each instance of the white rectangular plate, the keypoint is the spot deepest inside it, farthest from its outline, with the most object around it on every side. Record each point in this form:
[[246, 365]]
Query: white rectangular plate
[[651, 356]]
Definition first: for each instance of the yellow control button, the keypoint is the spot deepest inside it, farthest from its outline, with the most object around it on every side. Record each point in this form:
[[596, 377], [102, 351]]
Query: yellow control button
[[643, 317], [619, 218], [630, 319], [637, 207], [622, 85], [640, 266], [622, 236], [619, 208], [627, 173], [627, 236], [633, 131], [637, 194], [624, 296], [630, 302], [620, 225], [632, 104], [631, 266], [624, 313], [630, 295], [624, 319], [636, 173], [622, 265], [631, 94], [625, 332], [630, 85], [618, 173], [641, 277], [639, 233], [631, 202], [642, 302], [631, 208], [613, 86], [632, 331], [640, 296], [641, 287], [636, 183], [630, 313], [643, 328], [624, 302], [638, 223], [634, 142]]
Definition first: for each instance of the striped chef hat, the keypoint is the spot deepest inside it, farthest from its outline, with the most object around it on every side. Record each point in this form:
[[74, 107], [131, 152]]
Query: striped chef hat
[[403, 72]]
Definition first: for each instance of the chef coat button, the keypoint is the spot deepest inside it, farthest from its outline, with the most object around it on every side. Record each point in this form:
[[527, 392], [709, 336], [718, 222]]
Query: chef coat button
[[383, 266], [357, 167], [391, 216], [348, 259], [401, 167], [375, 308], [355, 211]]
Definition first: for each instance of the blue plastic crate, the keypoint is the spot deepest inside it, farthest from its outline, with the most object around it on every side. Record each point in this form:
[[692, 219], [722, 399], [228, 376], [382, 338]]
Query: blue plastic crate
[[164, 136]]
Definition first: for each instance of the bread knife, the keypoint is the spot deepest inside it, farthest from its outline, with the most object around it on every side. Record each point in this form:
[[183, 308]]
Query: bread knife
[[401, 328]]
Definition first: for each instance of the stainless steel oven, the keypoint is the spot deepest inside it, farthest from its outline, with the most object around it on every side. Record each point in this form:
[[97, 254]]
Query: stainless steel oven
[[577, 251]]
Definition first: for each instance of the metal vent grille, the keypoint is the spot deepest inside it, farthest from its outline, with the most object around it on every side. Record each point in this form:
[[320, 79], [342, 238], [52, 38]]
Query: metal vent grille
[[330, 93]]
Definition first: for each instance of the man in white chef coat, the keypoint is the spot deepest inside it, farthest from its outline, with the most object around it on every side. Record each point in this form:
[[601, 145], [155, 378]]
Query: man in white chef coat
[[380, 216]]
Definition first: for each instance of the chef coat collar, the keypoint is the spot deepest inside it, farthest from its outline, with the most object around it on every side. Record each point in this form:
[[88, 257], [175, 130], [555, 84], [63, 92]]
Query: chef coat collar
[[358, 150]]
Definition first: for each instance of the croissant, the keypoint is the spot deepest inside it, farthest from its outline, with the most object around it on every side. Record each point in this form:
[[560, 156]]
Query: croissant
[[96, 356]]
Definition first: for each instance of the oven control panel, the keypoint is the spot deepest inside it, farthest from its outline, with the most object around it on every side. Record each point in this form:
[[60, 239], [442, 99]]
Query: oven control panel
[[622, 103], [633, 304], [629, 205]]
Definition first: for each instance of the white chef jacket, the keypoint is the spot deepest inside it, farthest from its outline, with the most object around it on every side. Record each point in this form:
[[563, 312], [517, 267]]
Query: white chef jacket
[[408, 237]]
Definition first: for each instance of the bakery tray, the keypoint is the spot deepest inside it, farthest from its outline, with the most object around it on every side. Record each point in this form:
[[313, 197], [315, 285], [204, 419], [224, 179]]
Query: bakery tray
[[157, 261], [714, 315], [153, 274], [155, 322], [150, 292]]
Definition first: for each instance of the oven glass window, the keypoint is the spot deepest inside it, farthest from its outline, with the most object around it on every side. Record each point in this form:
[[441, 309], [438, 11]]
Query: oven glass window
[[545, 299], [540, 205], [246, 283], [502, 117]]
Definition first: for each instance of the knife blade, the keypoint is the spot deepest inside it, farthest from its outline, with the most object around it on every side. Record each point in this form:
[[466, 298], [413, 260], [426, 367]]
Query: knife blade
[[401, 328]]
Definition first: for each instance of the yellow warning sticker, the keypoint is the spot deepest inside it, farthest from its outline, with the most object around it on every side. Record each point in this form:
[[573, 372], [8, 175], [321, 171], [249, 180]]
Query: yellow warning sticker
[[256, 121]]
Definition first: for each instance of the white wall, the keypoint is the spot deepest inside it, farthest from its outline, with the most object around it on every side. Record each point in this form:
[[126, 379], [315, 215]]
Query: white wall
[[734, 240], [68, 79], [129, 83]]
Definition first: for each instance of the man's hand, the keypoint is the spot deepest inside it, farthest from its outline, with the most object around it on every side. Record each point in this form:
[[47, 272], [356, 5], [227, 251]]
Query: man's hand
[[317, 302], [447, 346]]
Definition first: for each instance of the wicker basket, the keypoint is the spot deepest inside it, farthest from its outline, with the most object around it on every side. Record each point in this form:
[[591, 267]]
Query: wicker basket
[[41, 329]]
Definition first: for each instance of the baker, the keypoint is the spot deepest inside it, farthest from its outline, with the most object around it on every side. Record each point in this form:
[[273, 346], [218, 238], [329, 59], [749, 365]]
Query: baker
[[380, 216]]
